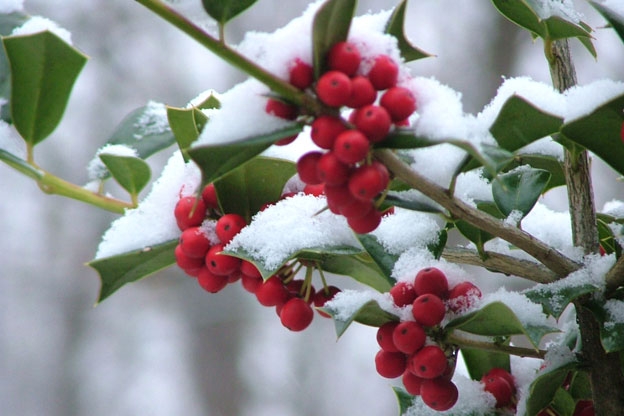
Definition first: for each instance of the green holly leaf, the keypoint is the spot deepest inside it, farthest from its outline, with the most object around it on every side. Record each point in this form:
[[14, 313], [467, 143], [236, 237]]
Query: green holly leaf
[[554, 297], [404, 399], [247, 188], [395, 27], [544, 162], [145, 129], [479, 362], [497, 320], [403, 200], [520, 123], [43, 71], [370, 313], [225, 10], [361, 268], [605, 233], [519, 189], [132, 173], [611, 330], [563, 403], [186, 125], [116, 271], [379, 254], [599, 132], [331, 25], [615, 19], [8, 22], [543, 389], [215, 161]]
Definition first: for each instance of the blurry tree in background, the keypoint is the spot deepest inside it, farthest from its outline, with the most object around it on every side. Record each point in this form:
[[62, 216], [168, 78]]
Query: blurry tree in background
[[163, 347]]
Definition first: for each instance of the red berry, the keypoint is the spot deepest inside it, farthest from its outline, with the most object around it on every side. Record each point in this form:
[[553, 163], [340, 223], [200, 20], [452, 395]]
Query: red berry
[[357, 209], [412, 383], [331, 170], [307, 168], [228, 226], [403, 294], [367, 181], [338, 196], [281, 109], [286, 140], [429, 362], [390, 364], [334, 88], [325, 129], [499, 388], [250, 283], [428, 309], [584, 408], [385, 338], [296, 314], [399, 102], [194, 242], [439, 394], [301, 74], [409, 337], [374, 121], [431, 280], [315, 190], [221, 264], [272, 292], [250, 269], [362, 92], [384, 73], [462, 296], [189, 212], [501, 372], [209, 196], [190, 265], [351, 146], [365, 224], [344, 57], [323, 296], [210, 281]]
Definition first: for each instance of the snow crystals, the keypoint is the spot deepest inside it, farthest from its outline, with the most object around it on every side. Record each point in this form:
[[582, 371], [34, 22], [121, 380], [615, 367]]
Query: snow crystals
[[39, 24]]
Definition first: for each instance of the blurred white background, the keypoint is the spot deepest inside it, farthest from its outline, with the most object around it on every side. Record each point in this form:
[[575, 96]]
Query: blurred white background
[[163, 346]]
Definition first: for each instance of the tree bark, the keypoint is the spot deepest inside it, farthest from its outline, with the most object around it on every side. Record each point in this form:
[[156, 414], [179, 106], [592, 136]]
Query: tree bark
[[605, 370]]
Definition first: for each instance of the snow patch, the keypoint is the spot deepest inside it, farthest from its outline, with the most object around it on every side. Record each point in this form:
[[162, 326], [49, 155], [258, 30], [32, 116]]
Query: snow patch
[[40, 24]]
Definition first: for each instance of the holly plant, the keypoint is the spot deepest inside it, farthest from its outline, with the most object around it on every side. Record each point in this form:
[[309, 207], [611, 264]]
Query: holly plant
[[336, 159]]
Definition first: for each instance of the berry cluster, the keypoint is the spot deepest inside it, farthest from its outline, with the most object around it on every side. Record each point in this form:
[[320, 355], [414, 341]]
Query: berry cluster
[[351, 179], [410, 349], [201, 257]]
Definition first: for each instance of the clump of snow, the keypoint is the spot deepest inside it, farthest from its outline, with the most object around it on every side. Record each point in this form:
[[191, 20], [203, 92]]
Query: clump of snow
[[514, 218], [406, 229], [550, 226], [615, 5], [152, 222], [209, 229], [558, 8], [39, 24], [414, 259], [546, 146], [473, 186], [152, 121], [614, 208], [615, 311], [347, 302], [10, 6], [290, 225], [527, 312], [97, 170], [10, 141], [557, 356], [583, 99], [472, 400]]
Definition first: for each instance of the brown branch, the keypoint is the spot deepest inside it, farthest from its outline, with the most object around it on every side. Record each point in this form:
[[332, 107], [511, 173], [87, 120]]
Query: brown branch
[[548, 256], [501, 263]]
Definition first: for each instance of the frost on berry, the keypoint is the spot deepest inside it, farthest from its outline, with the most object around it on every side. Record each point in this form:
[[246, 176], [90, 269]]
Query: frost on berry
[[403, 294], [462, 296]]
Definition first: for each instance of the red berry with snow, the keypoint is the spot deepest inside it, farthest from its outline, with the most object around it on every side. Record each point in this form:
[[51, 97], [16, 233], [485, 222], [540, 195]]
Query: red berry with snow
[[462, 296], [501, 372], [325, 129], [194, 242], [344, 57], [228, 226], [281, 109], [296, 314], [429, 362], [323, 296], [351, 146], [431, 280], [189, 212], [384, 73], [412, 383], [390, 364], [307, 168], [362, 92], [221, 264], [428, 309], [301, 74], [403, 294], [499, 388], [272, 292], [385, 337], [334, 88], [211, 282], [367, 181], [399, 102], [374, 121], [365, 224], [209, 196], [409, 337], [439, 394], [331, 170]]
